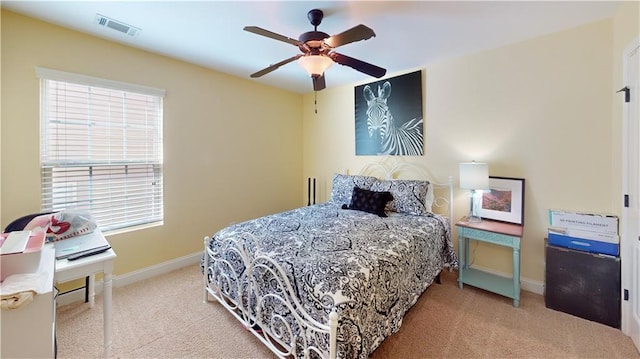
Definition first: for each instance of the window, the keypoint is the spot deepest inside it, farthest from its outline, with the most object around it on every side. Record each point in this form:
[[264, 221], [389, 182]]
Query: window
[[101, 149]]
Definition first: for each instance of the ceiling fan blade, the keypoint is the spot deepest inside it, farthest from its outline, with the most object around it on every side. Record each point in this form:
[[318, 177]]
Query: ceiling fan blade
[[275, 66], [356, 33], [359, 65], [271, 35], [318, 83]]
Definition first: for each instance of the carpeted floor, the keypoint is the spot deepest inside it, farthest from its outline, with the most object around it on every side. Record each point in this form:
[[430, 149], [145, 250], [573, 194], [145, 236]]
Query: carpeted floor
[[165, 317]]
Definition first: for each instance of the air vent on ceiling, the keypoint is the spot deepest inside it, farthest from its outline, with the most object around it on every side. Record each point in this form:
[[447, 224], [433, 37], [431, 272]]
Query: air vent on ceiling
[[116, 25]]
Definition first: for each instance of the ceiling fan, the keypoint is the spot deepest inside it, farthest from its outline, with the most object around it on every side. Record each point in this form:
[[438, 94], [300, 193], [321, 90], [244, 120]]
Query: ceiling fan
[[317, 50]]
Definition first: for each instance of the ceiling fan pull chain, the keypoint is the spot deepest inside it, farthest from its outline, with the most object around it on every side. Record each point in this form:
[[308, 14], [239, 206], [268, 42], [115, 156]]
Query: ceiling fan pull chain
[[315, 101]]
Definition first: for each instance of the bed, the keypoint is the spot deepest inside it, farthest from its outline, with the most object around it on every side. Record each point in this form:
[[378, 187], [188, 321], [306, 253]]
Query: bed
[[334, 279]]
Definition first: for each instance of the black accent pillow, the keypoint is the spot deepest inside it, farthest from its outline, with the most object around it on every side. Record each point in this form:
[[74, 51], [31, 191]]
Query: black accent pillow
[[369, 201]]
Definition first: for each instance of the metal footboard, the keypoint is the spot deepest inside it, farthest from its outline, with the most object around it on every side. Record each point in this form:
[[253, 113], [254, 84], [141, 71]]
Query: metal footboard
[[257, 291]]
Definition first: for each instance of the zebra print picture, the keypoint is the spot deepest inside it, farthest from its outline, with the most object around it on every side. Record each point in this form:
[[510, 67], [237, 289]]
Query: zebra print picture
[[390, 122]]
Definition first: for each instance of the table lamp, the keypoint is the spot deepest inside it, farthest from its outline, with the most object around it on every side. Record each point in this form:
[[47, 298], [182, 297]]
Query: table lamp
[[474, 176]]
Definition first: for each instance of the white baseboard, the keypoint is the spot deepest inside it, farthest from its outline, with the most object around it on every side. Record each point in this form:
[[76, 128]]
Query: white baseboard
[[527, 284], [119, 281], [135, 276], [155, 270]]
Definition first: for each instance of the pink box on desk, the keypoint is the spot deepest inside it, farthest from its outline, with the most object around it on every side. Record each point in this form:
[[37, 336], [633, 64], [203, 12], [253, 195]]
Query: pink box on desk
[[24, 262]]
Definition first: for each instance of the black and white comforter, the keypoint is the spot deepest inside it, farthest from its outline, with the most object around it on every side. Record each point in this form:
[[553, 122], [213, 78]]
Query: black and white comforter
[[371, 269]]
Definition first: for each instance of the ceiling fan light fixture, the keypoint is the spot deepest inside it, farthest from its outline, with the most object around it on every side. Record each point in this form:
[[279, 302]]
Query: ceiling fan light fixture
[[315, 64]]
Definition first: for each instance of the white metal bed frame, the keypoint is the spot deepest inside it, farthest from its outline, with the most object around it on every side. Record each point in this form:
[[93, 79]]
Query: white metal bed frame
[[279, 335]]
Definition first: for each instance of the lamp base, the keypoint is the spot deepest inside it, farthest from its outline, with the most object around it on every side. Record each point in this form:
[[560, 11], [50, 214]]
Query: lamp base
[[474, 219], [473, 216]]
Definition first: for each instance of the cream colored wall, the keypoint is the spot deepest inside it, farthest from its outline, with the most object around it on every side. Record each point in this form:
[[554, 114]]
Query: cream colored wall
[[231, 146], [539, 109]]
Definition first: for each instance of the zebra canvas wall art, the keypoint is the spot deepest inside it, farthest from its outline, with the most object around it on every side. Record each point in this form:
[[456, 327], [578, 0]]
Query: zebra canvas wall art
[[390, 123]]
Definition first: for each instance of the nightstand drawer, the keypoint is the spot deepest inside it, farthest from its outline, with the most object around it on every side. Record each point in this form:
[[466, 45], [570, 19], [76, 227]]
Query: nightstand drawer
[[491, 237]]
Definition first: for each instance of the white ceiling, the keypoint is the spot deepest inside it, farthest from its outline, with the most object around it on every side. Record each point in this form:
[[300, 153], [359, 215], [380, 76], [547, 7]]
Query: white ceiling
[[408, 34]]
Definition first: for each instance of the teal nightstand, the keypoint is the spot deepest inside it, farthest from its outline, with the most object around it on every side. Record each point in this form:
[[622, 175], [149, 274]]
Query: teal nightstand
[[499, 233]]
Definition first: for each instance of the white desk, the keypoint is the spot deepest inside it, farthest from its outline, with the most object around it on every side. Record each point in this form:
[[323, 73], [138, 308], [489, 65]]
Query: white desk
[[69, 270]]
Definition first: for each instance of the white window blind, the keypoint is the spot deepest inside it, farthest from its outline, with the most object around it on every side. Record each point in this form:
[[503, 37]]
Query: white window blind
[[101, 149]]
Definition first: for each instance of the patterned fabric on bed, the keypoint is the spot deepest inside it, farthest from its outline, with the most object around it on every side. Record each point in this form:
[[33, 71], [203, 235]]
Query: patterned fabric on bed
[[372, 269], [342, 186], [409, 196]]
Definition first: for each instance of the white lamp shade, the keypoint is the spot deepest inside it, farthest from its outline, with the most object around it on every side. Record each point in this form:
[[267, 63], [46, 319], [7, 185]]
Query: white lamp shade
[[474, 175], [315, 64]]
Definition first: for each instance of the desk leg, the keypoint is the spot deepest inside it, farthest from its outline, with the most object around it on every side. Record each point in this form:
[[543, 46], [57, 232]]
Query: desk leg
[[107, 313], [516, 277], [461, 260], [92, 290]]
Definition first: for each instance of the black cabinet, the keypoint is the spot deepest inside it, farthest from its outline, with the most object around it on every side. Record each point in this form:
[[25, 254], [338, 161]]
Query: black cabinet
[[583, 284]]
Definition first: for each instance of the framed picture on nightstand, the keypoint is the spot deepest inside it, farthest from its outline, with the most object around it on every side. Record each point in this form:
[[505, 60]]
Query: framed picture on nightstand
[[504, 201]]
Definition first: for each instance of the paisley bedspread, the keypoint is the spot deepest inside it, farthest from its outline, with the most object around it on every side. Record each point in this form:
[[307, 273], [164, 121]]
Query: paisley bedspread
[[371, 269]]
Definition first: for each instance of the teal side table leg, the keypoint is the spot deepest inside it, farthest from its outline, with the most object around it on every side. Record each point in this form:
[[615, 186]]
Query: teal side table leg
[[516, 276], [461, 260], [466, 252]]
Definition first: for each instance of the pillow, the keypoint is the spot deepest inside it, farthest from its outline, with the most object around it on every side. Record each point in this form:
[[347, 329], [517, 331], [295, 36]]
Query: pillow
[[343, 185], [369, 201], [409, 196]]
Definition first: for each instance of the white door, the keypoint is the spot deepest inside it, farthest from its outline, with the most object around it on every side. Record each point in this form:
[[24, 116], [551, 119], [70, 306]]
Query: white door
[[630, 241]]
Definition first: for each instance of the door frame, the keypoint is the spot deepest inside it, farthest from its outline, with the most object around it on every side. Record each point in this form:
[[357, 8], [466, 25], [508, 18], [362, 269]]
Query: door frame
[[629, 275]]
